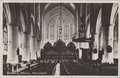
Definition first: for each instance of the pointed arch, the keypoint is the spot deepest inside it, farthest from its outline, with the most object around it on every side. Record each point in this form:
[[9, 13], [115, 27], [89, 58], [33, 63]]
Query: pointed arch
[[114, 13], [7, 12], [22, 22]]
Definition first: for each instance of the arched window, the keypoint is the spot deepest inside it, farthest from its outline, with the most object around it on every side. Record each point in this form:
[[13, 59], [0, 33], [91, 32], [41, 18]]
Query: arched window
[[52, 32]]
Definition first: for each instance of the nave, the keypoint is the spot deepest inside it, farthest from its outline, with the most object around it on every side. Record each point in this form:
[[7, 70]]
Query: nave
[[60, 39]]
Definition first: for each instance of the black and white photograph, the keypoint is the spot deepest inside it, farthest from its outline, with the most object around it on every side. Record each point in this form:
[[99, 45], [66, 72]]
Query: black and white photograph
[[60, 39]]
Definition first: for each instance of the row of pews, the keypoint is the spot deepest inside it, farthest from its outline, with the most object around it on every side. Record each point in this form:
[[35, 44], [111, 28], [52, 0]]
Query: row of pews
[[34, 67], [42, 68], [88, 67], [67, 67], [16, 68], [98, 68]]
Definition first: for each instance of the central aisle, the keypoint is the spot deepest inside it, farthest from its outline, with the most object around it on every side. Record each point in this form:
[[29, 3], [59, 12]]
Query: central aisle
[[57, 71]]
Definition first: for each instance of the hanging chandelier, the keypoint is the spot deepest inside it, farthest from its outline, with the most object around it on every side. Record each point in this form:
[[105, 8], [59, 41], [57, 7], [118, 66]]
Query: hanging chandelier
[[60, 29]]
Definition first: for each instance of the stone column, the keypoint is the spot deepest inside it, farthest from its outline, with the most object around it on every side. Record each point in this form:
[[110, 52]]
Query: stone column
[[20, 41], [105, 43], [33, 47], [12, 43], [38, 48], [25, 46], [28, 46], [110, 42], [95, 55]]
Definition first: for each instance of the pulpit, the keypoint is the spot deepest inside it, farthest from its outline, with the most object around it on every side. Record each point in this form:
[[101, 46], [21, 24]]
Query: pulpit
[[86, 54]]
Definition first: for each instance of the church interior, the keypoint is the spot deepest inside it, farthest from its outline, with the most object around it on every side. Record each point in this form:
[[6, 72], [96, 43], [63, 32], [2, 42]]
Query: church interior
[[60, 39]]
